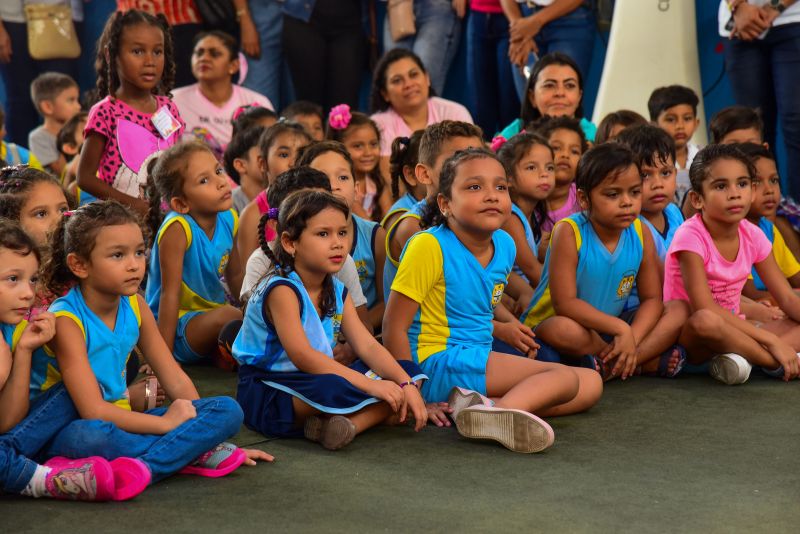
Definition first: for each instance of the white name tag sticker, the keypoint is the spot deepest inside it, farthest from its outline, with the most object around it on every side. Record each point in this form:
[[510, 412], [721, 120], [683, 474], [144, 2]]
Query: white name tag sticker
[[164, 122]]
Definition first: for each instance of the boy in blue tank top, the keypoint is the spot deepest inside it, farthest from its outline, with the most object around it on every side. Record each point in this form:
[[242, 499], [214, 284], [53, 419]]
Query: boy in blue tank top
[[600, 254]]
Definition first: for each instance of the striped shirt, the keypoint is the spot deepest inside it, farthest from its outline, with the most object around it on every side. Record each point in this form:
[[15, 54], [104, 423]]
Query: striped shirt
[[176, 11]]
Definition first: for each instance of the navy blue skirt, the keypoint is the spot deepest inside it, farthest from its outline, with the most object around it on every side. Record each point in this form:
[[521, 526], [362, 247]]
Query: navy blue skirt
[[266, 397]]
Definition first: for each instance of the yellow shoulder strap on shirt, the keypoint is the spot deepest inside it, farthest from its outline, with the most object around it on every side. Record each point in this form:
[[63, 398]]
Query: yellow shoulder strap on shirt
[[186, 228], [235, 221], [575, 230], [637, 226], [17, 334], [134, 300]]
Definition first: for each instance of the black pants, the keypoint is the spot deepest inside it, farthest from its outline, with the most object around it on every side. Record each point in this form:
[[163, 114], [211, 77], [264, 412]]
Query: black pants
[[18, 74], [326, 56]]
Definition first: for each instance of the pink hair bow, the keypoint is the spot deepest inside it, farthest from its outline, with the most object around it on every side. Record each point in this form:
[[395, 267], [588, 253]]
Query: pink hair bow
[[497, 142]]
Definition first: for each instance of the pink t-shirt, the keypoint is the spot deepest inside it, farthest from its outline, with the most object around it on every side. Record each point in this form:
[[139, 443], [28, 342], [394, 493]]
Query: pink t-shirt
[[200, 113], [485, 6], [570, 206], [132, 140], [392, 125], [725, 278]]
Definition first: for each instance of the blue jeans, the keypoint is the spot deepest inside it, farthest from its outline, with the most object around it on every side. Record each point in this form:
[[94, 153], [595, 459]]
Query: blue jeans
[[573, 34], [269, 74], [436, 40], [766, 74], [492, 96], [48, 414], [218, 418]]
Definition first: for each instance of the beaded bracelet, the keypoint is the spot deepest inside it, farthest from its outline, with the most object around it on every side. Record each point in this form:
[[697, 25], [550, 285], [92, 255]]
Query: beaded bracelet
[[409, 383]]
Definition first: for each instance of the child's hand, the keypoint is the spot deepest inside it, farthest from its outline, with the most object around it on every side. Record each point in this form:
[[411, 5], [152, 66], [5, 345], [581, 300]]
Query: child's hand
[[518, 336], [38, 332], [343, 353], [523, 301], [623, 350], [786, 356], [180, 411], [437, 413], [253, 455], [413, 400], [764, 312], [388, 391]]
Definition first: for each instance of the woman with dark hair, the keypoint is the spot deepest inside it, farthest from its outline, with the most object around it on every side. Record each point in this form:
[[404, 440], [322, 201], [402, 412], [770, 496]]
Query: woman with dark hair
[[208, 105], [555, 89], [402, 100]]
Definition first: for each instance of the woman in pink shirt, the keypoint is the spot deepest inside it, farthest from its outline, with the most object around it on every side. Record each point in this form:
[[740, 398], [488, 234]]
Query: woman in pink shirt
[[402, 101], [707, 265], [208, 106]]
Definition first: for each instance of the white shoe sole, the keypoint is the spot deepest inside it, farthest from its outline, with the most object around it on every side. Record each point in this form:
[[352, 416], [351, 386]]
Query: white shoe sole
[[516, 430], [730, 369]]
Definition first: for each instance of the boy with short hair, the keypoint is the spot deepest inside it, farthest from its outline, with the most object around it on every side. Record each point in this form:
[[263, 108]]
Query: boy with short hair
[[57, 99], [674, 109], [737, 124], [243, 163], [13, 154], [310, 115]]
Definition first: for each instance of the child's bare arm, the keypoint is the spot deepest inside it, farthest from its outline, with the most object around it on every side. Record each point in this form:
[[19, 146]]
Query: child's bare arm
[[91, 154], [171, 249], [648, 286], [400, 311], [778, 287], [526, 260]]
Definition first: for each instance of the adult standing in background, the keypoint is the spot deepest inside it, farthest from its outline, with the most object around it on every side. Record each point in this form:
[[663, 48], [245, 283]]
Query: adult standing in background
[[539, 27], [184, 21], [261, 28], [18, 69], [762, 60], [325, 47], [438, 25]]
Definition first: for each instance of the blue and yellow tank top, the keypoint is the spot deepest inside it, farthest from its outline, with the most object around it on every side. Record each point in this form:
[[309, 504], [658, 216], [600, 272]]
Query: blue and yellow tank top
[[456, 294], [391, 264], [403, 204], [12, 333], [108, 350], [526, 224], [204, 263], [603, 279], [257, 343], [786, 261], [363, 253]]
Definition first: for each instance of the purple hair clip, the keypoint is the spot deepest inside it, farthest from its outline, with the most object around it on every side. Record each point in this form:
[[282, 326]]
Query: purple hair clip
[[164, 206], [272, 214]]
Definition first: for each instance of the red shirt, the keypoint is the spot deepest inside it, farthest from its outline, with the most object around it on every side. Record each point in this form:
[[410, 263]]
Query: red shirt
[[485, 6], [176, 11]]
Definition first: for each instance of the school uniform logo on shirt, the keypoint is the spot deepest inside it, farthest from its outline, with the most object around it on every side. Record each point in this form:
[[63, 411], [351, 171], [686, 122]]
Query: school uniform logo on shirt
[[336, 325], [626, 284], [361, 267], [497, 294], [223, 262]]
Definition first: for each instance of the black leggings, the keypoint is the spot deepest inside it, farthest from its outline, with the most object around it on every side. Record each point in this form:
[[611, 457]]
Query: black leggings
[[326, 55]]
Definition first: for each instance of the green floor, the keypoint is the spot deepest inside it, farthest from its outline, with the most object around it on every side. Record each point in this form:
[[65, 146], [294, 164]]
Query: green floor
[[653, 456]]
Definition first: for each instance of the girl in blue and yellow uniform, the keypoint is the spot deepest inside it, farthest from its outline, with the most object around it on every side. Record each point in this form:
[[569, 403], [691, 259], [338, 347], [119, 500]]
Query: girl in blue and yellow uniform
[[98, 252], [368, 238], [27, 426], [528, 161], [193, 251], [289, 382], [442, 305], [405, 152], [438, 142], [599, 254]]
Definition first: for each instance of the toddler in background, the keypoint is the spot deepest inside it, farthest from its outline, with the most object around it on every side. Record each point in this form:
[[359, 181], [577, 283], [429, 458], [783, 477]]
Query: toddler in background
[[246, 117], [405, 153], [244, 164], [613, 123], [69, 142], [310, 115], [56, 97]]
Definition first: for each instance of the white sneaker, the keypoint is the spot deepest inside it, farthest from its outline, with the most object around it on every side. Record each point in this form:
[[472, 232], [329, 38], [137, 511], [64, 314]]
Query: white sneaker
[[730, 369], [461, 398], [516, 430]]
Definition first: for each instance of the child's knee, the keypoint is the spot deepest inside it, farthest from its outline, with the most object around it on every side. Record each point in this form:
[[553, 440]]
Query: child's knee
[[706, 324], [568, 380], [89, 437]]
